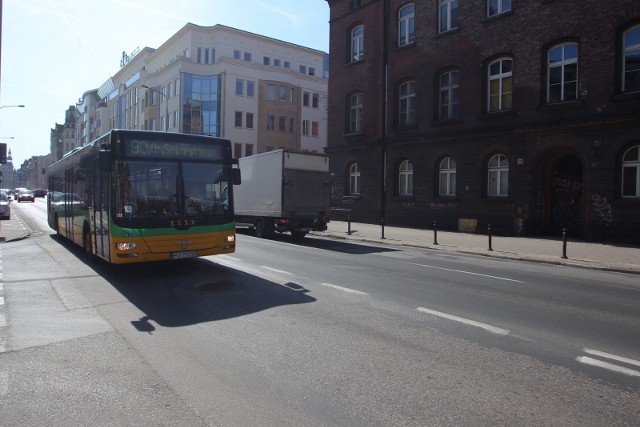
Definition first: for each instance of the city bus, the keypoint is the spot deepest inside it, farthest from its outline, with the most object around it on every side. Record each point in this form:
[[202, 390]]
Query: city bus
[[136, 196]]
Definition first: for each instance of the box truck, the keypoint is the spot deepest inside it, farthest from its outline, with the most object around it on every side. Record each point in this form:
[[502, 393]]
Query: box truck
[[283, 191]]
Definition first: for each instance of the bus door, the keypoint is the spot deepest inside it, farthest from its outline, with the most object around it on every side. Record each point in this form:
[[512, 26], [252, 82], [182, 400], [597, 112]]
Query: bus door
[[67, 200], [101, 215]]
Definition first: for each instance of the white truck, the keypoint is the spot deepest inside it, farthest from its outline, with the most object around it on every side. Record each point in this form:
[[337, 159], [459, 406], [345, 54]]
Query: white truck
[[283, 191]]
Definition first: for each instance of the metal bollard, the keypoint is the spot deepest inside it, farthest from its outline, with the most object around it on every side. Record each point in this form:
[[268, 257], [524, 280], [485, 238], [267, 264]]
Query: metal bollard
[[382, 220], [349, 224], [564, 243], [489, 233], [435, 233]]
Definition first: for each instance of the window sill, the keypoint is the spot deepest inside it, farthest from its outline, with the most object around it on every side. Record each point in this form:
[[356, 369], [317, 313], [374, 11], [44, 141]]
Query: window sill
[[497, 16], [625, 96], [448, 32], [497, 114], [353, 63], [353, 197], [560, 105], [446, 122], [405, 46], [404, 199], [353, 135]]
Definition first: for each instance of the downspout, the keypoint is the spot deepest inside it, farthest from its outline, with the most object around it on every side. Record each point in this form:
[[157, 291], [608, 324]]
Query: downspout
[[385, 73]]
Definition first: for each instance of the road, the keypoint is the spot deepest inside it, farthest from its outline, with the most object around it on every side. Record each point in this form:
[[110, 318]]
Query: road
[[321, 332]]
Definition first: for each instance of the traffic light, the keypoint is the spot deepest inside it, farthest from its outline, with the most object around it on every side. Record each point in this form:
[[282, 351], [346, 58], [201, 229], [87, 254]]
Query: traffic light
[[3, 153]]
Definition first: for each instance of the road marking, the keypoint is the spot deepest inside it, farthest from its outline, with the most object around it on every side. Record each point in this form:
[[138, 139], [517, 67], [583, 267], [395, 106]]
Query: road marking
[[229, 257], [606, 365], [275, 270], [612, 357], [468, 272], [4, 383], [343, 289], [1, 300], [489, 328]]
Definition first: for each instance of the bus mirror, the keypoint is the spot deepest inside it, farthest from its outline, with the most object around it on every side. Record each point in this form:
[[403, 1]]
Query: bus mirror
[[237, 178], [105, 161]]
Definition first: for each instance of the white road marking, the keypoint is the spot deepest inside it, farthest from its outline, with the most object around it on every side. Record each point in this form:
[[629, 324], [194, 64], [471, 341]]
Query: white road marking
[[606, 365], [275, 270], [4, 383], [228, 257], [489, 328], [468, 272], [343, 289], [1, 300], [612, 357]]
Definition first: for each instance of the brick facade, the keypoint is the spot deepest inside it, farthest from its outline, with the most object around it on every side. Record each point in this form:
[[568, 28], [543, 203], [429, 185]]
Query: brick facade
[[564, 157]]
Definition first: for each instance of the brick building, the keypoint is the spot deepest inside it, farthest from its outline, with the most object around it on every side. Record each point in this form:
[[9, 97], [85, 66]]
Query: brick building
[[524, 115]]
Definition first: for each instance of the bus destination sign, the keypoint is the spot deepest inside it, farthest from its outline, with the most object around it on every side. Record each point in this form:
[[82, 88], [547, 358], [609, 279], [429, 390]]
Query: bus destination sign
[[170, 150]]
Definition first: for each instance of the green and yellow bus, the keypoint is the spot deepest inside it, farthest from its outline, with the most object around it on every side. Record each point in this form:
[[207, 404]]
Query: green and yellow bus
[[138, 196]]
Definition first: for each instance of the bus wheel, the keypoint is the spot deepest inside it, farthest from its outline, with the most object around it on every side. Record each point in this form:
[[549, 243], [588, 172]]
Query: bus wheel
[[86, 241]]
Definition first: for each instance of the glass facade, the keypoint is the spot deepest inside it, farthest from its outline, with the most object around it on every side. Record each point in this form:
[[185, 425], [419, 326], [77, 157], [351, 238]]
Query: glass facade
[[201, 105]]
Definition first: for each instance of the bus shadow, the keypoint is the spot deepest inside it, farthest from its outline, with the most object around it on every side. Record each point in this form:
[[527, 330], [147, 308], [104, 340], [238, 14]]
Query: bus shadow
[[188, 292]]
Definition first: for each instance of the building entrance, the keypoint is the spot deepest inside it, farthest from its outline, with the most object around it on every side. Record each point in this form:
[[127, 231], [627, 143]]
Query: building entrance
[[566, 195]]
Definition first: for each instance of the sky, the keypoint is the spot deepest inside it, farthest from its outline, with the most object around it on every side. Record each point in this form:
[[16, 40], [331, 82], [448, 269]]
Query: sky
[[55, 50]]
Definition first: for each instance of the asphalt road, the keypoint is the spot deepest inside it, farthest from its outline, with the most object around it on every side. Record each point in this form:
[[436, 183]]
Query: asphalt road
[[321, 332]]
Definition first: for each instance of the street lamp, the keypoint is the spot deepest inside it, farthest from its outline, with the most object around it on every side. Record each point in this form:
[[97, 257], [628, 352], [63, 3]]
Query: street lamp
[[166, 103]]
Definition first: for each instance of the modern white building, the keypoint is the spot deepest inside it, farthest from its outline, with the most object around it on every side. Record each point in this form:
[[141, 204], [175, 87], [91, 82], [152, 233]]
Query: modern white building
[[261, 93]]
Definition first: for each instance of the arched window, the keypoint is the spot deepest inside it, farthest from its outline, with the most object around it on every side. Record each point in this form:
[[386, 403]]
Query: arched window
[[449, 102], [357, 43], [355, 113], [500, 86], [498, 176], [562, 73], [407, 104], [354, 180], [448, 177], [406, 25], [405, 178], [631, 58], [631, 172]]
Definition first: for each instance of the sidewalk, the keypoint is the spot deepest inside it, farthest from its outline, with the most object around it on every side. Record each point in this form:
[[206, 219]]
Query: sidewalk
[[579, 254], [13, 229]]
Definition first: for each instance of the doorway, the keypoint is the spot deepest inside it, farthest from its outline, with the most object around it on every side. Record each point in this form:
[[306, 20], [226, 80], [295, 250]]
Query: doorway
[[566, 196]]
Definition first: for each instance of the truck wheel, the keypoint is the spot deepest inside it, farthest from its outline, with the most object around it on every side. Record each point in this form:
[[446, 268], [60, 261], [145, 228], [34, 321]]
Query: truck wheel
[[259, 228]]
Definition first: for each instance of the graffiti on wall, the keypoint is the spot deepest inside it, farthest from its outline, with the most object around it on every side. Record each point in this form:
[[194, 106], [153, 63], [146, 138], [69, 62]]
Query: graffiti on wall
[[602, 206]]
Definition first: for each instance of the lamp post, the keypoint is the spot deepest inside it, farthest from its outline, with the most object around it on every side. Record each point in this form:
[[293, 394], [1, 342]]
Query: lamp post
[[166, 103], [12, 106]]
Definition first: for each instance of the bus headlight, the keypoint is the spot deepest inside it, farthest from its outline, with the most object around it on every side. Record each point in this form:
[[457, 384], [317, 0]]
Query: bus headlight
[[231, 238], [126, 246]]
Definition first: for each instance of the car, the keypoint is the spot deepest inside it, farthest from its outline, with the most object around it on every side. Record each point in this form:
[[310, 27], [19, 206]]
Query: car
[[39, 192], [26, 195], [5, 206]]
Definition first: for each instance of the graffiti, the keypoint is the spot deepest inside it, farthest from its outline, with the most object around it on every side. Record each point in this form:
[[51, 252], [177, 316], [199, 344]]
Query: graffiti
[[602, 206], [568, 185]]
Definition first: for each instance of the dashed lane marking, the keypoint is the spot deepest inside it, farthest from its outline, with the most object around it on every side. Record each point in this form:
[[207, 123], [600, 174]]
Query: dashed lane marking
[[609, 366], [467, 272], [343, 289], [488, 328], [275, 270]]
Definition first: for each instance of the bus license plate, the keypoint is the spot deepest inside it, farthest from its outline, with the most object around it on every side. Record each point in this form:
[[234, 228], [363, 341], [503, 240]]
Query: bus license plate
[[183, 255]]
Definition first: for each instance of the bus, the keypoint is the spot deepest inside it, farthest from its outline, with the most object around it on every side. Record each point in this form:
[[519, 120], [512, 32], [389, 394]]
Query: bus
[[136, 196]]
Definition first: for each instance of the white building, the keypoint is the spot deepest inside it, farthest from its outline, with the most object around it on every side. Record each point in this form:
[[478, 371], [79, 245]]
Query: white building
[[260, 93]]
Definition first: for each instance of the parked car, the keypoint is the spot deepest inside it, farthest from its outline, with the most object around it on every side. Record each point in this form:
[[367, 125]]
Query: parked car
[[5, 206], [9, 193], [39, 192], [26, 195]]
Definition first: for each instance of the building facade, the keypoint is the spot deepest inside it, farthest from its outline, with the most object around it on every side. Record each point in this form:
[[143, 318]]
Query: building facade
[[521, 115], [260, 93]]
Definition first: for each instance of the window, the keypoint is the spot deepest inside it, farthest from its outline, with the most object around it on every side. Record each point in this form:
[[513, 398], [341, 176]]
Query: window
[[563, 73], [407, 101], [276, 62], [271, 92], [315, 100], [500, 85], [405, 178], [266, 60], [303, 69], [355, 113], [448, 15], [292, 95], [498, 169], [251, 87], [305, 99], [314, 129], [631, 172], [292, 125], [236, 54], [406, 25], [270, 122], [237, 150], [357, 43], [249, 120], [447, 177], [496, 7], [631, 65], [354, 180], [240, 87], [247, 56], [312, 71], [206, 56], [248, 149], [282, 123], [238, 119], [283, 93], [287, 64], [305, 127], [449, 96], [199, 55]]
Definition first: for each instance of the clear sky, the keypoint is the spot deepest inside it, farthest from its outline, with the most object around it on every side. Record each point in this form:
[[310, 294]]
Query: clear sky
[[55, 50]]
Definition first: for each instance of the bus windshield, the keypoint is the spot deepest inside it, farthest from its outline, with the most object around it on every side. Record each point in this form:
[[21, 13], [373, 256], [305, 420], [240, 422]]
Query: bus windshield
[[166, 193]]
